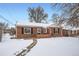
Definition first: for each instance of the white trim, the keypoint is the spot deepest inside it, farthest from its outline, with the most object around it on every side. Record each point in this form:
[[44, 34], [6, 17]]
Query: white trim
[[38, 30], [16, 31], [27, 28]]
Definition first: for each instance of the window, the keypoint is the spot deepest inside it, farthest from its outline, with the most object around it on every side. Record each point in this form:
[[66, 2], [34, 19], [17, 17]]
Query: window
[[39, 30], [44, 30], [56, 30], [72, 32], [27, 30]]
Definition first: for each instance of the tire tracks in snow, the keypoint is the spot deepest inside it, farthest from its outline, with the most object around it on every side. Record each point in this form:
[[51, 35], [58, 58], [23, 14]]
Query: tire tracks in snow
[[24, 51]]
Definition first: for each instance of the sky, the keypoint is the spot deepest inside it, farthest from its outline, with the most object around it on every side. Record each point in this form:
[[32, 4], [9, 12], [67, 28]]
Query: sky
[[15, 12]]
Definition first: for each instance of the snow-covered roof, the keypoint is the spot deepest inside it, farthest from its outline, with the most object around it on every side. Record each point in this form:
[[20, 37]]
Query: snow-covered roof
[[70, 28], [11, 26], [54, 25], [45, 25], [75, 28], [67, 27], [33, 24]]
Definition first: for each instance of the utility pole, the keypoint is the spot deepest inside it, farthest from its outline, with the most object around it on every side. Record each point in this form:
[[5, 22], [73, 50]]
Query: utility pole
[[1, 33], [2, 26]]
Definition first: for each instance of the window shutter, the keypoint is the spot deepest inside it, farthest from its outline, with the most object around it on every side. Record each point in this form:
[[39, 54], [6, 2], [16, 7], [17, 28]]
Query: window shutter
[[58, 30], [54, 30], [22, 30], [31, 30]]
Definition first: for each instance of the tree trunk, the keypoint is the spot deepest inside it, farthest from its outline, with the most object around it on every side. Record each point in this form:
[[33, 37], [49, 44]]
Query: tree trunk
[[0, 35]]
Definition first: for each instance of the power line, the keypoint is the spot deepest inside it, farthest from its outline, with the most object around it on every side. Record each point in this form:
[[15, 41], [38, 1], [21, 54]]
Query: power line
[[6, 20]]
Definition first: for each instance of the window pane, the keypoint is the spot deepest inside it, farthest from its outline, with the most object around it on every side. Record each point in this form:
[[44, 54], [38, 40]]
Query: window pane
[[27, 30], [44, 30], [56, 30], [38, 30]]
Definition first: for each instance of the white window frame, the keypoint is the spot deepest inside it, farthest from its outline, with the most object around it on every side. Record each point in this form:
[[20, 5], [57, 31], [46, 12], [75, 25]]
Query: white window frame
[[27, 28], [72, 32], [56, 30], [45, 30], [39, 30]]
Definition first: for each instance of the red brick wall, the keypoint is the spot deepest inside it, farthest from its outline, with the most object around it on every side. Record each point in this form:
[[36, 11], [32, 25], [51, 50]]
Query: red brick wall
[[53, 32], [20, 35], [50, 33], [77, 32]]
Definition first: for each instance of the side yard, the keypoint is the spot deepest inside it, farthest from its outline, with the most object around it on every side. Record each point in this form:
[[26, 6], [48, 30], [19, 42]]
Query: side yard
[[10, 46]]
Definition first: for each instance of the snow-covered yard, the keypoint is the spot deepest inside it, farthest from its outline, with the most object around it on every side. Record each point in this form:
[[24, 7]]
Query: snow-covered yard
[[45, 47], [10, 46], [61, 46]]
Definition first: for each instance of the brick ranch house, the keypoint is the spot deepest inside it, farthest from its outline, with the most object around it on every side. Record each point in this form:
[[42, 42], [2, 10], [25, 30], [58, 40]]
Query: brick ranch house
[[42, 30]]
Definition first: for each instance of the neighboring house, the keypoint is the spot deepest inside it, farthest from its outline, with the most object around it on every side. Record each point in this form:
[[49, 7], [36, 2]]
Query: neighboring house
[[10, 30], [77, 32], [70, 31], [67, 32], [42, 30]]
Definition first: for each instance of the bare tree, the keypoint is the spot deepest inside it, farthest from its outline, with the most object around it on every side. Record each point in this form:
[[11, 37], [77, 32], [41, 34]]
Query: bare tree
[[3, 27], [70, 11], [37, 14], [57, 19]]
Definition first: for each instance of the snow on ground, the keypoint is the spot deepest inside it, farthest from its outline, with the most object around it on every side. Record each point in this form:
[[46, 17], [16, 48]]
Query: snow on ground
[[10, 46], [57, 46]]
